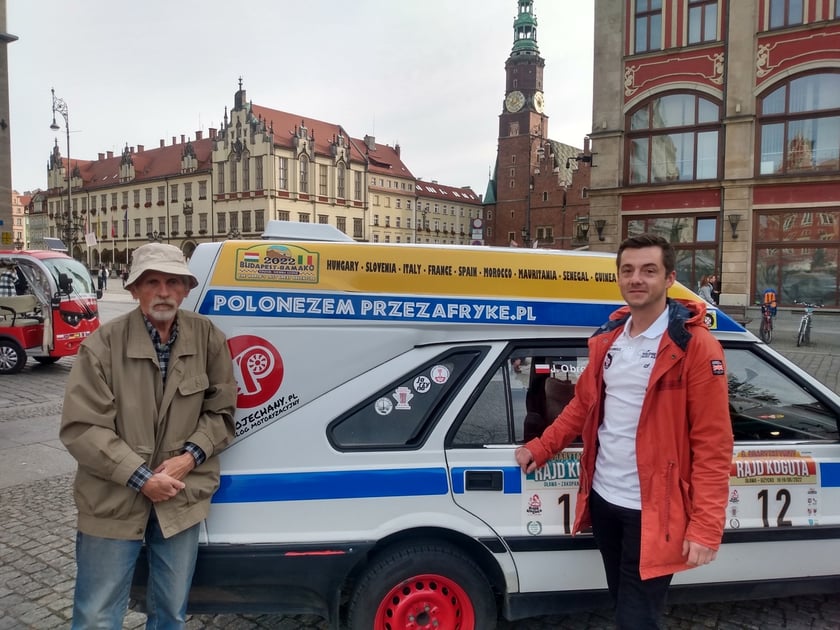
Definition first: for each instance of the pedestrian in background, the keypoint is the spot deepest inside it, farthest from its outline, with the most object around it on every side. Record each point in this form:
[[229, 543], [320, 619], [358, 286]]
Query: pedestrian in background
[[653, 486], [148, 406], [103, 277], [707, 288], [8, 280]]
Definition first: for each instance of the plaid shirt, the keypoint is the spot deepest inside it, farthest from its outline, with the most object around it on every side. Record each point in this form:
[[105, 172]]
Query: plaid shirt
[[7, 283], [144, 473]]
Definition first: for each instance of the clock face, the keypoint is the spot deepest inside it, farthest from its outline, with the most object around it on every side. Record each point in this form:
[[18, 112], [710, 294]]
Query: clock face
[[514, 101], [539, 102]]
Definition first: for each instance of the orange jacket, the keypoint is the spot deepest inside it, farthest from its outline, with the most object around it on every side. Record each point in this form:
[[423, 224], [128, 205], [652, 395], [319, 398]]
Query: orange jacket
[[684, 438]]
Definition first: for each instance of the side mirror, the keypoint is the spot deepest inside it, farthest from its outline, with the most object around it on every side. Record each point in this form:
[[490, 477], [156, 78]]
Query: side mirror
[[65, 284]]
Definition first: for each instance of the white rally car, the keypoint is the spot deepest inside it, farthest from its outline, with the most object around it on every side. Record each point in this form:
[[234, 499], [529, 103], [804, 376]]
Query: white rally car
[[382, 392]]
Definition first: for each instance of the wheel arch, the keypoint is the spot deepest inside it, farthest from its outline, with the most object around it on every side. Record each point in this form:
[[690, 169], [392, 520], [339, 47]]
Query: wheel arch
[[476, 550]]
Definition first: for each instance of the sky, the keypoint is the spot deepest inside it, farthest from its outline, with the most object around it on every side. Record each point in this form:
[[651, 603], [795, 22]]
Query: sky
[[425, 74]]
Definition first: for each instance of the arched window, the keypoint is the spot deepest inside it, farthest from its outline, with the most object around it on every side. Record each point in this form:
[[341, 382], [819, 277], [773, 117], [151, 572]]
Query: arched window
[[340, 184], [304, 174], [233, 179], [673, 138], [799, 124]]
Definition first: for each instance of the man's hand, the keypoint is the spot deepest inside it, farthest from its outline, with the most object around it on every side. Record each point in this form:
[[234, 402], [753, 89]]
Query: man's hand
[[161, 487], [177, 467], [525, 459], [697, 554]]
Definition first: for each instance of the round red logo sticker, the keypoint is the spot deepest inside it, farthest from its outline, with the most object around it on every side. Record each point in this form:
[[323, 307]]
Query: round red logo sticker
[[258, 369]]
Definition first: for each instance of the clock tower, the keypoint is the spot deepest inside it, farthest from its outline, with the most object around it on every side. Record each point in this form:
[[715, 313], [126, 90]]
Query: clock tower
[[523, 132], [524, 102]]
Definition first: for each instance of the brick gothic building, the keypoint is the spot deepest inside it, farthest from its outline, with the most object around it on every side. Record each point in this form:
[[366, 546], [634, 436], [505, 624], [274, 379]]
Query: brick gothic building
[[537, 193], [717, 125]]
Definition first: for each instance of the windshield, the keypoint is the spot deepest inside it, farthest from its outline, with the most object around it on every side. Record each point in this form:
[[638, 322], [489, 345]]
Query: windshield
[[75, 271]]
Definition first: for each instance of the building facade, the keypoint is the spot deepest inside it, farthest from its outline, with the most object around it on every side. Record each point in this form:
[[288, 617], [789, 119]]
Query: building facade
[[261, 164], [537, 194], [717, 125], [18, 230], [448, 215]]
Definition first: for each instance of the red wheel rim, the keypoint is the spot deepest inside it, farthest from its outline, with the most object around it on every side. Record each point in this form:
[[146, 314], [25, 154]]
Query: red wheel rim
[[427, 601]]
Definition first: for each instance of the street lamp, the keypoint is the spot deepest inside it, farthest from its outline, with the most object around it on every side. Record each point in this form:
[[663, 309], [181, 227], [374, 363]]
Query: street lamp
[[59, 106]]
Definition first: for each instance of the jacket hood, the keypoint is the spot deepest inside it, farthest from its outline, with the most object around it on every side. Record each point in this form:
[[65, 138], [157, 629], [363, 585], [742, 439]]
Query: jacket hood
[[682, 314]]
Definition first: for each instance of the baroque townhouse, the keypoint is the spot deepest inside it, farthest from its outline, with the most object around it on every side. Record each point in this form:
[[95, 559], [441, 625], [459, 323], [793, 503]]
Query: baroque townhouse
[[717, 125], [392, 199], [18, 234], [448, 215], [261, 164], [537, 193]]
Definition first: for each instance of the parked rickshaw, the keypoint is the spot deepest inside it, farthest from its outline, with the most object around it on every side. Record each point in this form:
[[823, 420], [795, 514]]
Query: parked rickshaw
[[54, 308]]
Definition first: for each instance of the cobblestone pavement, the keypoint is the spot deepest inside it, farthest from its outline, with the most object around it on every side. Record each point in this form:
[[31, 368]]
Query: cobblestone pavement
[[37, 526]]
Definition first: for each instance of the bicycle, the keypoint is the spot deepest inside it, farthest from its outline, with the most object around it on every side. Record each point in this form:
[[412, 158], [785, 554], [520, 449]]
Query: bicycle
[[803, 335], [765, 331]]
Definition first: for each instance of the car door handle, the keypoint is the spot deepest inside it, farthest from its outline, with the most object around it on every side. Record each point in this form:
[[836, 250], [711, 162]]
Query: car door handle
[[484, 480]]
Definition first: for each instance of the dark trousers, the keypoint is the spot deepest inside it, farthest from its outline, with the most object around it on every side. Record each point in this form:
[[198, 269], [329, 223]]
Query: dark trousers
[[639, 603]]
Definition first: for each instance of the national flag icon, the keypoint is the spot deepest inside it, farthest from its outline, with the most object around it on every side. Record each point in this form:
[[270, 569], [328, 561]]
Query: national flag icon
[[542, 368], [252, 257]]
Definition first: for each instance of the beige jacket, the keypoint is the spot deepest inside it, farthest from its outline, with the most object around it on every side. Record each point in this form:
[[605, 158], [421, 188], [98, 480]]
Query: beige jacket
[[118, 414]]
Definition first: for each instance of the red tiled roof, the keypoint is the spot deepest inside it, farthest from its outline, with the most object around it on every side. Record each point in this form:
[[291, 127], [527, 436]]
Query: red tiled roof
[[447, 193], [383, 159], [149, 164]]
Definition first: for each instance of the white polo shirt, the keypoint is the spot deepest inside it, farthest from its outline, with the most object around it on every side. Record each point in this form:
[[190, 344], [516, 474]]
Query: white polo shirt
[[627, 368]]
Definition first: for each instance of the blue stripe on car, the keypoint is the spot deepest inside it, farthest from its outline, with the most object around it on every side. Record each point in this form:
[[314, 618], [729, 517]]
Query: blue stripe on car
[[830, 474], [337, 484]]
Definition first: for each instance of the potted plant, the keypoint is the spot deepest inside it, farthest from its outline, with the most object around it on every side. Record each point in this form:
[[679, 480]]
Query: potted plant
[[148, 204]]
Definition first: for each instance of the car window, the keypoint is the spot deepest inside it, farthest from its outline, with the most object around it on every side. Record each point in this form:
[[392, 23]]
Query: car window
[[401, 415], [767, 404], [522, 397]]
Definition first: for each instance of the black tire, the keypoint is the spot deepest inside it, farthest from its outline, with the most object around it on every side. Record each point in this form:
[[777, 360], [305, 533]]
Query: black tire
[[432, 583], [766, 332], [45, 360], [12, 356], [800, 337]]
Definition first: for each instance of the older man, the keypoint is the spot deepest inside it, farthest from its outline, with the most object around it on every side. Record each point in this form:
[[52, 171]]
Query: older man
[[149, 404]]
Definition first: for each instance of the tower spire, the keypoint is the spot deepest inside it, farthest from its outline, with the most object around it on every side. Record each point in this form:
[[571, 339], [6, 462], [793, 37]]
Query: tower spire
[[525, 30]]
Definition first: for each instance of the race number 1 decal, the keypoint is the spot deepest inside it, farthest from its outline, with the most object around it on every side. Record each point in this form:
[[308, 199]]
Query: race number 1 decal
[[549, 496]]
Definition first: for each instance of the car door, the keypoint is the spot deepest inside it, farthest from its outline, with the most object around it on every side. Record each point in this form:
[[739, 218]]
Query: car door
[[533, 513]]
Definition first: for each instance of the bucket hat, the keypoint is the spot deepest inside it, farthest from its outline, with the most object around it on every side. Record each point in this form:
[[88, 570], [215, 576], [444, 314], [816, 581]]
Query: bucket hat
[[159, 257]]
